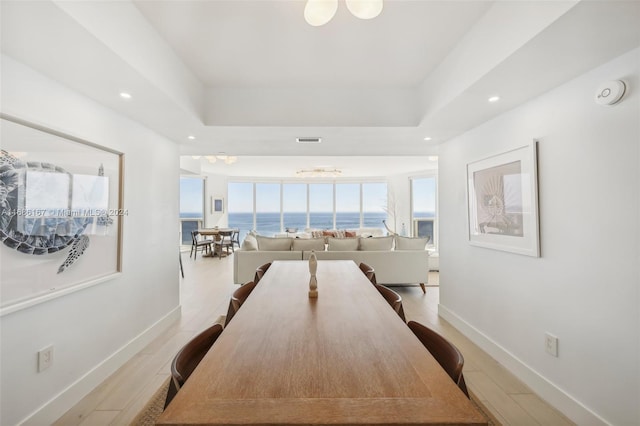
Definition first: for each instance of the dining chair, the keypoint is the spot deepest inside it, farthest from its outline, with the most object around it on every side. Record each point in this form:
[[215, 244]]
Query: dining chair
[[197, 243], [188, 358], [235, 239], [445, 352], [223, 243], [237, 299], [260, 271], [393, 299], [369, 272]]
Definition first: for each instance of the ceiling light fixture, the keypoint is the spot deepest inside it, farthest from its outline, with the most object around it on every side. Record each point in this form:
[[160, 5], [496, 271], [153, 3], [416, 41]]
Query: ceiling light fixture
[[191, 137], [494, 99], [228, 159], [319, 12], [319, 172], [125, 95], [427, 138]]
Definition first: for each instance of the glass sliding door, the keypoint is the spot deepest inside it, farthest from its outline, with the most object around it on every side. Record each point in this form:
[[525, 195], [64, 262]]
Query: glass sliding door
[[191, 207]]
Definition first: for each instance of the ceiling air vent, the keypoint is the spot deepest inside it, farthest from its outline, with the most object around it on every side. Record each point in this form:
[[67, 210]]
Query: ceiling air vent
[[308, 140]]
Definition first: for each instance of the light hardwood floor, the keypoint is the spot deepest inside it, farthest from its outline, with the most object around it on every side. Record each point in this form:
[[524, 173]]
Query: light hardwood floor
[[204, 295]]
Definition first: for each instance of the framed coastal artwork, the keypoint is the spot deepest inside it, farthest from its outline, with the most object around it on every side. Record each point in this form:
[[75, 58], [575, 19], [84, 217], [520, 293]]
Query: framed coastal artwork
[[217, 205], [61, 211], [502, 196]]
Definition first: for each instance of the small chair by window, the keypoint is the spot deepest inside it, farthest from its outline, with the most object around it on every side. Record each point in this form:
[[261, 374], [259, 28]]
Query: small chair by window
[[445, 352], [188, 358], [393, 299], [199, 243], [223, 243], [235, 239]]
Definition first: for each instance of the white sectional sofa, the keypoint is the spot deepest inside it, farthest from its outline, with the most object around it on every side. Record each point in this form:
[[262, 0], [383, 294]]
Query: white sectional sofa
[[393, 267]]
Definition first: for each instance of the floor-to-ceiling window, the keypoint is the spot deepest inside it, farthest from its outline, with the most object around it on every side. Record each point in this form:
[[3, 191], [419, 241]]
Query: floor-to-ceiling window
[[268, 221], [273, 207], [240, 207], [374, 203], [294, 206], [423, 201], [321, 205], [191, 206]]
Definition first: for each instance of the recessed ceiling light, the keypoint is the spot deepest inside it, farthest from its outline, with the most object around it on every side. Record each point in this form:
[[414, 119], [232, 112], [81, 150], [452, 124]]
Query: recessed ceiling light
[[191, 137], [494, 99], [125, 95], [427, 138]]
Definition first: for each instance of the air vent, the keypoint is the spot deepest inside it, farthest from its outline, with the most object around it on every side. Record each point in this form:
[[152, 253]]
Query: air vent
[[308, 140]]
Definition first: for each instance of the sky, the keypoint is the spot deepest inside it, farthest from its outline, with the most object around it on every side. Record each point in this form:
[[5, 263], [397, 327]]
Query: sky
[[240, 196], [295, 197]]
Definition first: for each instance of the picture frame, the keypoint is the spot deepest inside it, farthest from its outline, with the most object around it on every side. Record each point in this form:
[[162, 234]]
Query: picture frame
[[61, 214], [502, 201], [217, 205]]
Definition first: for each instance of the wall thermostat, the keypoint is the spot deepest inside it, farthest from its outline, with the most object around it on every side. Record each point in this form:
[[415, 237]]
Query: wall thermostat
[[610, 92]]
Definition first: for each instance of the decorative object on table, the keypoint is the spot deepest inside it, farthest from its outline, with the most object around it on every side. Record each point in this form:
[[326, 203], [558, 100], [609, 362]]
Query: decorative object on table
[[502, 199], [60, 199], [313, 282]]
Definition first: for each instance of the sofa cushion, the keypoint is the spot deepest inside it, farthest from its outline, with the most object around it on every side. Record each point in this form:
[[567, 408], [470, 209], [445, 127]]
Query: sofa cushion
[[306, 244], [273, 244], [406, 243], [376, 243], [250, 243], [342, 244]]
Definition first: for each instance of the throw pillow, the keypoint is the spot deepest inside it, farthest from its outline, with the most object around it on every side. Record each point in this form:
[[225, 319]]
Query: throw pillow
[[350, 234], [300, 244], [250, 243], [342, 244], [406, 243], [376, 243], [274, 244]]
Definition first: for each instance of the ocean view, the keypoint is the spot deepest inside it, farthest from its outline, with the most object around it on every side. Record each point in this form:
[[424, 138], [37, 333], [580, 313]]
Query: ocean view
[[268, 224]]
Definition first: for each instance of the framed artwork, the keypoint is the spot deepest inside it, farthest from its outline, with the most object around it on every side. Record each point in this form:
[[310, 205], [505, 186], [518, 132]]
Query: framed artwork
[[217, 205], [61, 211], [502, 196]]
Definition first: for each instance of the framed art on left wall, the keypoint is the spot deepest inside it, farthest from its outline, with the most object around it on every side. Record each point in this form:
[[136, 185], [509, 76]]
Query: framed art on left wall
[[61, 213]]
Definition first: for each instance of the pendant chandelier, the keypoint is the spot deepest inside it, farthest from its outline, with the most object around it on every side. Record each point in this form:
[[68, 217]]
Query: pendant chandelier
[[319, 12]]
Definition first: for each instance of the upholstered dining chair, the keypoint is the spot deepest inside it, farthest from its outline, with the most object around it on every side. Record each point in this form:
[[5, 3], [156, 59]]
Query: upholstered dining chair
[[188, 358], [197, 243], [223, 243], [393, 299], [238, 298], [369, 272], [260, 271], [445, 352]]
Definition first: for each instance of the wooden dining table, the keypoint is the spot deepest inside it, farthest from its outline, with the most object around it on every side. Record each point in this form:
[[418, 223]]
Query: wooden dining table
[[343, 358]]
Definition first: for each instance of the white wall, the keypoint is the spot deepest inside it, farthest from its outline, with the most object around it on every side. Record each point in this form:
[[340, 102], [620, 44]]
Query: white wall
[[585, 287], [96, 329]]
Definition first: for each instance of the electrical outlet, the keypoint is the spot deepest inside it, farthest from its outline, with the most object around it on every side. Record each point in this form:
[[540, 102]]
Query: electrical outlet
[[551, 344], [45, 358]]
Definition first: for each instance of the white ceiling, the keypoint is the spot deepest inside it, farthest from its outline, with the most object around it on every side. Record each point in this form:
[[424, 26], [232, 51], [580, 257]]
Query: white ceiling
[[248, 77]]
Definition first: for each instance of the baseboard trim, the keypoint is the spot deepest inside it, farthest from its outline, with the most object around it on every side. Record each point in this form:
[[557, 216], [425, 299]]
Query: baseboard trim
[[545, 389], [61, 403]]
